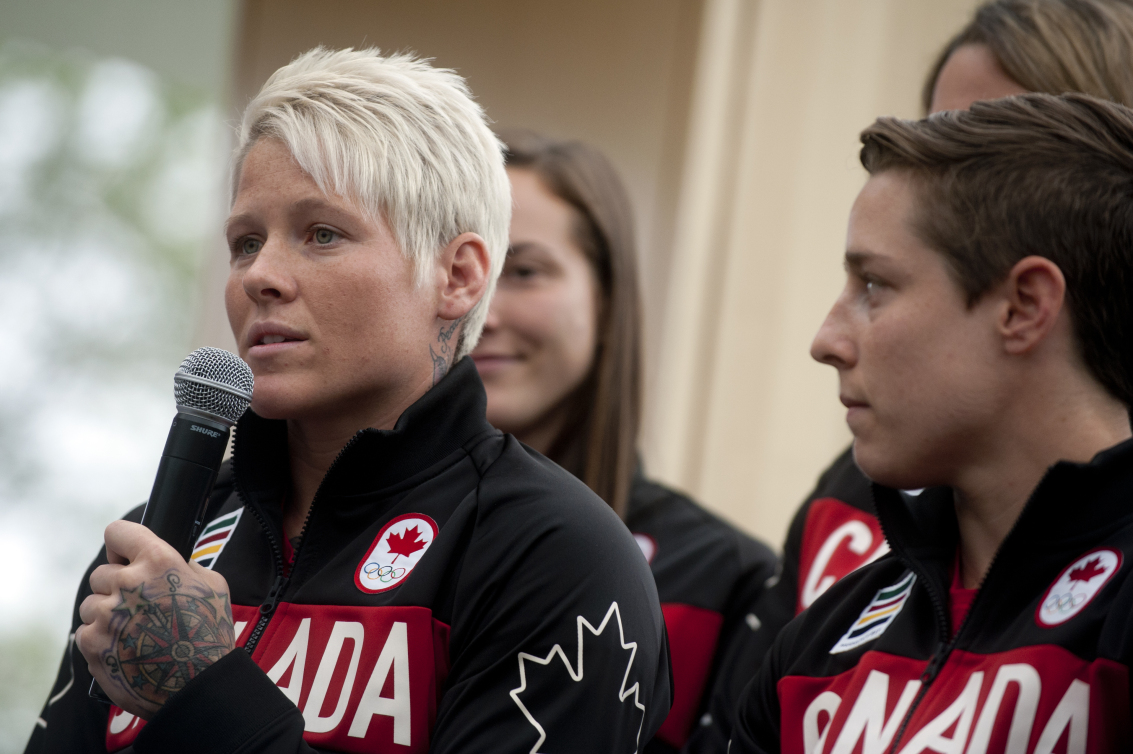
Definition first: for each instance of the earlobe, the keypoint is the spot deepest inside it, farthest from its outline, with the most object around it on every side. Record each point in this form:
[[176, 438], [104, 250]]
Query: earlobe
[[466, 266], [1034, 292]]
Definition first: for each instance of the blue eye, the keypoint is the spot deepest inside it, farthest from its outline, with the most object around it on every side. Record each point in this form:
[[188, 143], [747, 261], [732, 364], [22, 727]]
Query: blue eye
[[324, 236], [248, 246]]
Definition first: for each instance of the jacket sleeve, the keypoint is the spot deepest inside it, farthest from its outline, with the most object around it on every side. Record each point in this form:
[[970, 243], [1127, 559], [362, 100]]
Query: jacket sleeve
[[742, 657], [232, 706], [756, 717], [71, 721], [558, 642], [756, 727], [735, 648], [758, 567]]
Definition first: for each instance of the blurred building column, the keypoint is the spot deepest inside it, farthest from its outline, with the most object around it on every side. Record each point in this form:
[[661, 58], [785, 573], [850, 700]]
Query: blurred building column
[[739, 415]]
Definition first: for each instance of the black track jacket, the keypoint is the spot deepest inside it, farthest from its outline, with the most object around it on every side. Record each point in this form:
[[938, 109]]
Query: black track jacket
[[453, 591], [1039, 665], [833, 533], [708, 575]]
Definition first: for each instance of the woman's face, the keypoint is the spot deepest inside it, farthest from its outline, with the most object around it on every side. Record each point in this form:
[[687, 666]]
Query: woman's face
[[322, 301], [920, 371], [542, 330], [970, 74]]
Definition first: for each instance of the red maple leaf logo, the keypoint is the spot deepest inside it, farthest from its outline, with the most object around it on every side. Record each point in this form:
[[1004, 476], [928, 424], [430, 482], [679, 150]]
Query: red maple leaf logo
[[401, 544], [1087, 571]]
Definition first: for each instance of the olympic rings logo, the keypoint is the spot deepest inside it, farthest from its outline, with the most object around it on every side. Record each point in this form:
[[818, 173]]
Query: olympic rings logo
[[1064, 603], [383, 573]]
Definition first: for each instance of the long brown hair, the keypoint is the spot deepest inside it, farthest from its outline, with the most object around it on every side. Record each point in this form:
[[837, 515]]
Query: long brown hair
[[599, 440], [1053, 46]]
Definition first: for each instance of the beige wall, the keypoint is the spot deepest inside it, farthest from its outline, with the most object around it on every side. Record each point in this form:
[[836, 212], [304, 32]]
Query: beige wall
[[734, 123], [740, 415]]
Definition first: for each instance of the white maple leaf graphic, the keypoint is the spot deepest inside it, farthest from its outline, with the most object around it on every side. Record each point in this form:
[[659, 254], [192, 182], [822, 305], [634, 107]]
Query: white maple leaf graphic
[[576, 675]]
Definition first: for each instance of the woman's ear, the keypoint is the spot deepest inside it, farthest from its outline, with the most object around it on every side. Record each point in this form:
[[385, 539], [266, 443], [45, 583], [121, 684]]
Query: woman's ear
[[462, 275], [1034, 292]]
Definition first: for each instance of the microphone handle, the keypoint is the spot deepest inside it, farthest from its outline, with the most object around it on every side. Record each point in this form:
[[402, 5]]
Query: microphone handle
[[184, 480], [189, 464]]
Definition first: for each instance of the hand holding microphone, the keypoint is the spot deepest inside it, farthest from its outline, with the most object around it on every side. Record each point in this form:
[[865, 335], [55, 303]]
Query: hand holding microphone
[[145, 582]]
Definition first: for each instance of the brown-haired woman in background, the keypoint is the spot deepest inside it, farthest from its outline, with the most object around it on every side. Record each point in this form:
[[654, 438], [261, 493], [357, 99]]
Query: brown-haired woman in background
[[1051, 46], [1009, 47], [561, 362]]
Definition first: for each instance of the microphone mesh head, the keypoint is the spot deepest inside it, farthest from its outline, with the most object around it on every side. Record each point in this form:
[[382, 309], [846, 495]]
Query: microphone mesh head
[[214, 381]]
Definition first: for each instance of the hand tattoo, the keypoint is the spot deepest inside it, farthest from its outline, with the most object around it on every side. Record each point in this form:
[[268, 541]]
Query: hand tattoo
[[164, 642], [441, 360]]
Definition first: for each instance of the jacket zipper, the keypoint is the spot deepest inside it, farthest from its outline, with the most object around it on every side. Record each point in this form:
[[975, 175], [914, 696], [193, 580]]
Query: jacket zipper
[[944, 648], [935, 663], [273, 593], [279, 586]]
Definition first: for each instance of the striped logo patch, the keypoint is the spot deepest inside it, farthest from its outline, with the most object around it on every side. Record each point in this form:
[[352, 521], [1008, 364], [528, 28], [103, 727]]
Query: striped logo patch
[[877, 616], [214, 537]]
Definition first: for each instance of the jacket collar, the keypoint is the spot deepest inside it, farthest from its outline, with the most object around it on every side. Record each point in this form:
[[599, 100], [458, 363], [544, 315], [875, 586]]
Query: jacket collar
[[440, 422], [1072, 504]]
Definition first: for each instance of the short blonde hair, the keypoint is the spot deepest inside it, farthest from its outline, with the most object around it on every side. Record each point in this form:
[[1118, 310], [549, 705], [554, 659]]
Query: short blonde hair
[[402, 139]]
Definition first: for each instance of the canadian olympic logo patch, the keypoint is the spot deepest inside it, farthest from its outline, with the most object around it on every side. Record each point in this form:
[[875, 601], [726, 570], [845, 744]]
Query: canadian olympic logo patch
[[1076, 586], [399, 546]]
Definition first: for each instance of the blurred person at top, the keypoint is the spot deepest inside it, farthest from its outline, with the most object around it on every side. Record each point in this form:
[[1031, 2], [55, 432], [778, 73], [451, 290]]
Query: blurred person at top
[[561, 363], [1009, 47], [381, 570]]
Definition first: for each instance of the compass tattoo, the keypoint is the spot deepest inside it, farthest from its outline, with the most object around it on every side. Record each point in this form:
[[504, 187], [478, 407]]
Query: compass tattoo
[[165, 636]]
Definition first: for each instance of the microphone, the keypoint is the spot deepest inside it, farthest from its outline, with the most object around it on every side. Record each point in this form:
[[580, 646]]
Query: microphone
[[213, 389]]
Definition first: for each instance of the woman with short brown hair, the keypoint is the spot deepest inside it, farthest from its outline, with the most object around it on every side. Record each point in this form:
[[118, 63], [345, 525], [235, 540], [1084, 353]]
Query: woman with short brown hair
[[1009, 47]]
